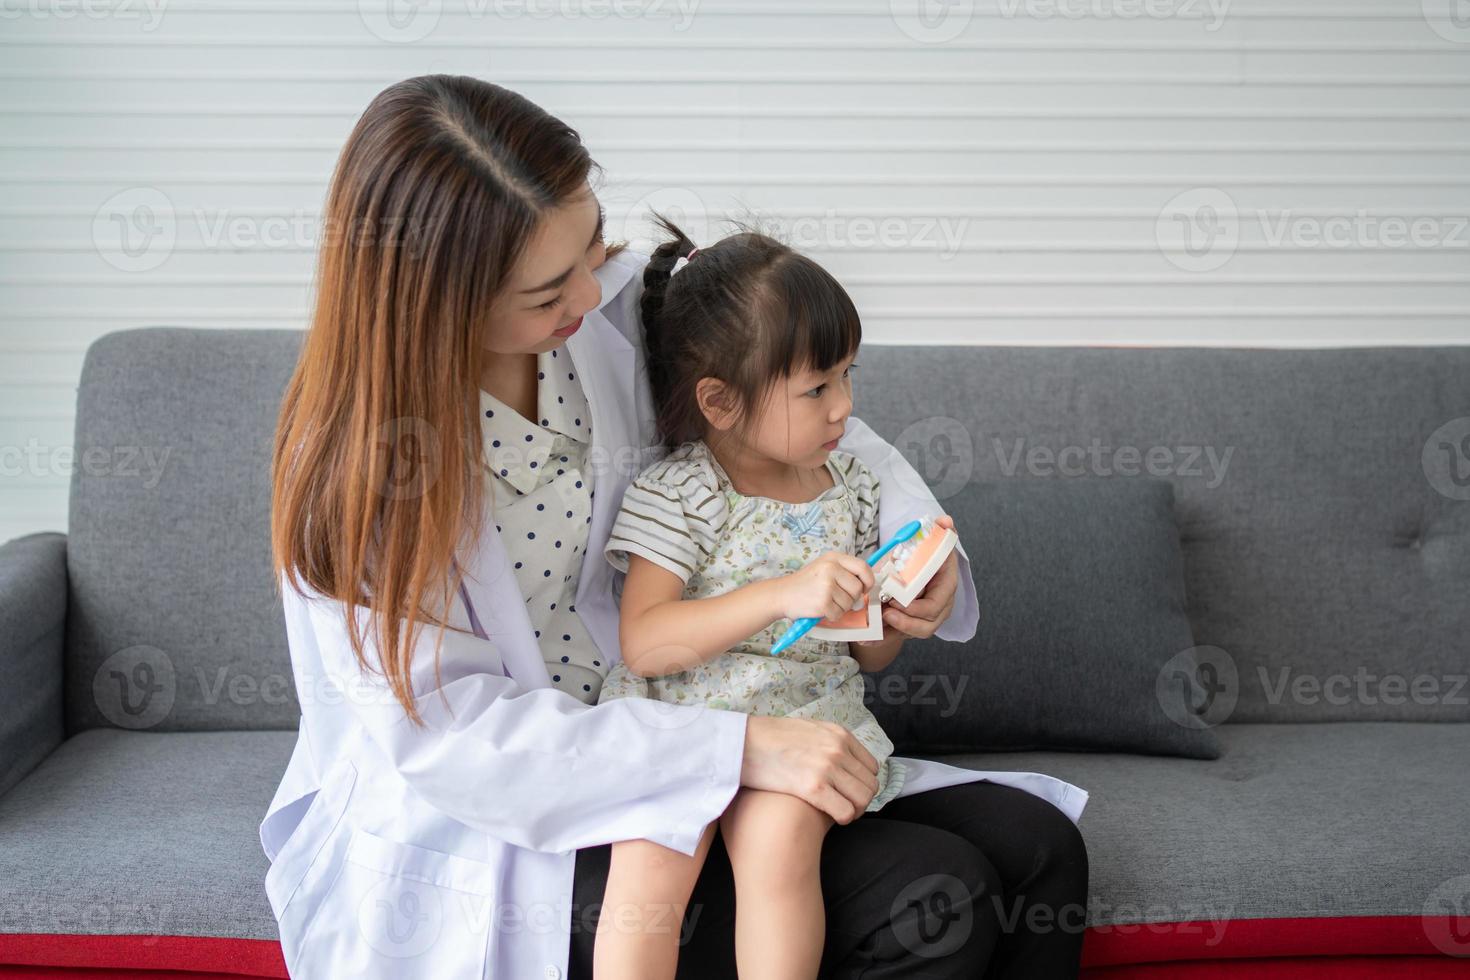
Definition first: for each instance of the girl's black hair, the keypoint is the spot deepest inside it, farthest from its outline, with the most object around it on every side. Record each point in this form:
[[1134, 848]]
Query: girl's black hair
[[748, 311]]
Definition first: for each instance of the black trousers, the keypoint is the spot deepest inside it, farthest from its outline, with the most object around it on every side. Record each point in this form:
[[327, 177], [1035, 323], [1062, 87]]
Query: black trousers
[[969, 881]]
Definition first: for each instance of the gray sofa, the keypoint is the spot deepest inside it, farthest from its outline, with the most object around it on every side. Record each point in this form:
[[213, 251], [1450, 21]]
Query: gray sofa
[[149, 708]]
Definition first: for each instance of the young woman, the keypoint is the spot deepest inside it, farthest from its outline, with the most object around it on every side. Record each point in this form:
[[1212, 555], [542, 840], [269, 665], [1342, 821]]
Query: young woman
[[467, 412]]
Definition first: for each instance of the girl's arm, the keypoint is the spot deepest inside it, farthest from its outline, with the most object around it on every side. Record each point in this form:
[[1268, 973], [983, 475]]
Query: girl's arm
[[661, 633]]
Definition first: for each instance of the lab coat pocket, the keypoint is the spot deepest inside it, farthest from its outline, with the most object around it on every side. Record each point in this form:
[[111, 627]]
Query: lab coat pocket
[[403, 911]]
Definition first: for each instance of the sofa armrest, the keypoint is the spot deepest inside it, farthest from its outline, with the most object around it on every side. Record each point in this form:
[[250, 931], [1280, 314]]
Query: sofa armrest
[[33, 596]]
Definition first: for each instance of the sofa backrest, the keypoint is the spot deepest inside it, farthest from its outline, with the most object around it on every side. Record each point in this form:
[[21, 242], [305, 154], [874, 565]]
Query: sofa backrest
[[174, 620], [1324, 531]]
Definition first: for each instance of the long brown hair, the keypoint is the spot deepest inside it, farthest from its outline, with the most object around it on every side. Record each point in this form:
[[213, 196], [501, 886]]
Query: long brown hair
[[377, 476]]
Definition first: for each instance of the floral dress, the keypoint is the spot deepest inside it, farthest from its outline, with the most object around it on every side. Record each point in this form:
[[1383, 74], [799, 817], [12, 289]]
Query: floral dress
[[683, 514]]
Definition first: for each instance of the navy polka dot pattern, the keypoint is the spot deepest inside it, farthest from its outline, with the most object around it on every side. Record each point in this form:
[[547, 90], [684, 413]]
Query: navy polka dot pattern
[[543, 516]]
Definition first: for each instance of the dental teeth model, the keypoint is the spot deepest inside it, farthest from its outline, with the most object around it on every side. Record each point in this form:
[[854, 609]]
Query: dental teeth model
[[902, 568], [909, 567]]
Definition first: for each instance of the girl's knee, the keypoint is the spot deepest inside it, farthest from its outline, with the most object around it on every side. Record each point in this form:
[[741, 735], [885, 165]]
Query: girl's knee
[[774, 835]]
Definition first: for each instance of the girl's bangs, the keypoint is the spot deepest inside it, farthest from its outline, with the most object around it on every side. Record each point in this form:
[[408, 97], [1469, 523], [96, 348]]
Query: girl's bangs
[[820, 328]]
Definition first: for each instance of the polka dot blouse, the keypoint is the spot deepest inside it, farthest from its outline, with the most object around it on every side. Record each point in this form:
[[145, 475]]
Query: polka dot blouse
[[543, 506]]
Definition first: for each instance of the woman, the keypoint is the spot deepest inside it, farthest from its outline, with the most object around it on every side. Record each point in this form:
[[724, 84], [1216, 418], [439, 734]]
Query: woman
[[449, 806]]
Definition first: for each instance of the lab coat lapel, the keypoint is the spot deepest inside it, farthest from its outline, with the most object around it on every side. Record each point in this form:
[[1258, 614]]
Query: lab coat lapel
[[491, 587]]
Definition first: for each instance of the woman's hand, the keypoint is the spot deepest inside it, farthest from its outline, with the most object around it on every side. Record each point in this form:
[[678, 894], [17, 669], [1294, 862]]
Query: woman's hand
[[932, 607], [817, 761], [826, 588]]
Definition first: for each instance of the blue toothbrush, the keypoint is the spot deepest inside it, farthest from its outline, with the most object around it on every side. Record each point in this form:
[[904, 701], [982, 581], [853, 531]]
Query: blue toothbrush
[[801, 626]]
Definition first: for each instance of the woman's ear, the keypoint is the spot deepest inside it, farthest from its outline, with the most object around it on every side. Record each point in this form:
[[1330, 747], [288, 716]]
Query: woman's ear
[[715, 403]]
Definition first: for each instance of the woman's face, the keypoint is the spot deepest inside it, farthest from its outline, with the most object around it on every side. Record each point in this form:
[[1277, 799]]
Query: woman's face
[[552, 285]]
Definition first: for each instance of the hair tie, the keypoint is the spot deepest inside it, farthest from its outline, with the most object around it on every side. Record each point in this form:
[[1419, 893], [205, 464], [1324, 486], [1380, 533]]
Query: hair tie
[[683, 260]]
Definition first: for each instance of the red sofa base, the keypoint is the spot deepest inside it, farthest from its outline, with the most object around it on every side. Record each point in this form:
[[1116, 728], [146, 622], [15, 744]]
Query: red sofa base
[[1345, 948]]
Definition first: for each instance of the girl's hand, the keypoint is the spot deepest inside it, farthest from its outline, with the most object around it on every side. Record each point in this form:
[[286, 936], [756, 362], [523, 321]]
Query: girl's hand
[[826, 588], [932, 607], [817, 761]]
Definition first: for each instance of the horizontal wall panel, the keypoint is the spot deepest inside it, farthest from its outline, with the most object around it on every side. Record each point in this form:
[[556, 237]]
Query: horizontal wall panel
[[1261, 174]]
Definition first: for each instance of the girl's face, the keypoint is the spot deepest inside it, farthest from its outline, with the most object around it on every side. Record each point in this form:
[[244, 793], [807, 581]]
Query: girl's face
[[804, 415], [552, 285]]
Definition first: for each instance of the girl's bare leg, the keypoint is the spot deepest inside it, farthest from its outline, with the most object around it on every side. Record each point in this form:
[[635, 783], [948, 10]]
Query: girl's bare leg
[[775, 845], [648, 888]]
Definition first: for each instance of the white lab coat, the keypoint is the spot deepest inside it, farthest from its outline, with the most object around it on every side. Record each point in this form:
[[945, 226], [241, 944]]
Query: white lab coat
[[448, 852]]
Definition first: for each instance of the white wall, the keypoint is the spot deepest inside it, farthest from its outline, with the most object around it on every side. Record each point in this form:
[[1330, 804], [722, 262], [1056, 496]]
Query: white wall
[[1010, 171]]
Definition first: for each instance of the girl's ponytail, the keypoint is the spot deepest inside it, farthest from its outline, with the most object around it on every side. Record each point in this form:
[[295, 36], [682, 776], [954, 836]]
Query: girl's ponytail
[[657, 275]]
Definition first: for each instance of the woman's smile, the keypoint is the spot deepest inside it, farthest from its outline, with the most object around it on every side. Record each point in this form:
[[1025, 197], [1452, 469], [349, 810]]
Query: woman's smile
[[569, 329]]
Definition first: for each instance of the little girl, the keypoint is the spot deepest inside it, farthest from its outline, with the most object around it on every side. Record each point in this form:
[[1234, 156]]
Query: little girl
[[754, 519]]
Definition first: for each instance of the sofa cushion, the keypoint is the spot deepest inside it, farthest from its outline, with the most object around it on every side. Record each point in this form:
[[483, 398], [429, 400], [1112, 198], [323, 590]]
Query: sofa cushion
[[1292, 820], [152, 833], [1337, 819], [1081, 592]]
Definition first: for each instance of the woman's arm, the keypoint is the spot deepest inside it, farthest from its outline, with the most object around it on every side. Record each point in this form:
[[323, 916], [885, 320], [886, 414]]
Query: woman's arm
[[544, 771], [874, 655], [905, 498]]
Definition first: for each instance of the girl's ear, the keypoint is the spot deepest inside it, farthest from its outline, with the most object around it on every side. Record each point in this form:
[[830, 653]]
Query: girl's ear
[[715, 403]]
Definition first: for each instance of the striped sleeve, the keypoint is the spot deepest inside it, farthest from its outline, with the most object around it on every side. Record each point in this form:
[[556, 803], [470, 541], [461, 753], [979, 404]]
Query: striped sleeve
[[864, 488], [672, 515]]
